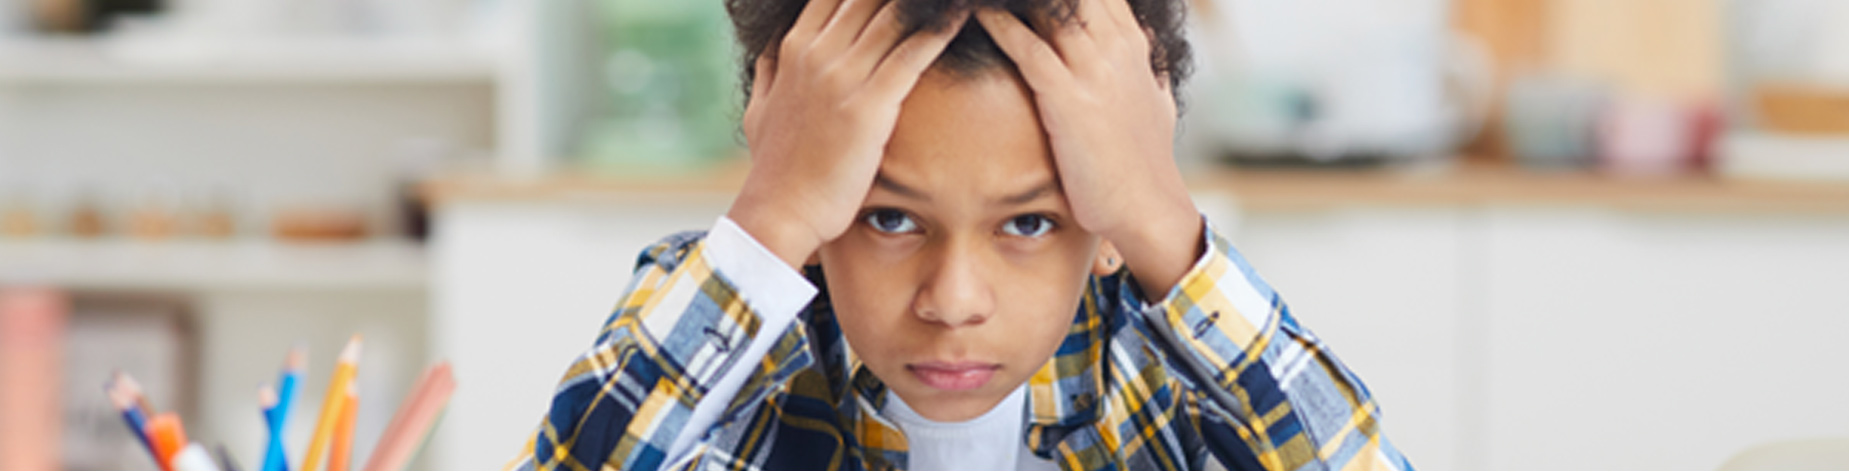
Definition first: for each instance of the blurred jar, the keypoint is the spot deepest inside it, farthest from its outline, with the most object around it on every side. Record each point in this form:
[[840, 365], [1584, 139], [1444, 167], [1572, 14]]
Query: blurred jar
[[1650, 136], [669, 90], [86, 218], [210, 215], [153, 216], [17, 217], [1551, 121]]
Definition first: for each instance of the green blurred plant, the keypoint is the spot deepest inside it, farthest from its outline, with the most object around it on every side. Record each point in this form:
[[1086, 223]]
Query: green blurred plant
[[670, 87]]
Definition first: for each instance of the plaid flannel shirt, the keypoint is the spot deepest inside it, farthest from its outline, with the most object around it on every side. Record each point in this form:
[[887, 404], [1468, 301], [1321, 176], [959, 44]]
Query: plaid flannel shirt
[[1216, 368]]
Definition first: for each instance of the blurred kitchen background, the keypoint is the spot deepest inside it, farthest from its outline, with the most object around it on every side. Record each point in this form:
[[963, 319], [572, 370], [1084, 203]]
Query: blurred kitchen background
[[1550, 234]]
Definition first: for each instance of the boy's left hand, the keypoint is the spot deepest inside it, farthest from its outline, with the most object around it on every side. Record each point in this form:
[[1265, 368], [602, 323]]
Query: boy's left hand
[[1111, 122]]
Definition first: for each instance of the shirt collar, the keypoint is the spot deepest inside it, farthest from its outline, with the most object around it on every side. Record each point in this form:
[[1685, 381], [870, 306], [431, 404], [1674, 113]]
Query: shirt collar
[[1061, 397]]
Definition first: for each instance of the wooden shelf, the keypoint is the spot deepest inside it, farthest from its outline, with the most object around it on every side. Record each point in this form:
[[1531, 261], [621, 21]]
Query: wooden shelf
[[1277, 190], [1502, 185], [115, 264]]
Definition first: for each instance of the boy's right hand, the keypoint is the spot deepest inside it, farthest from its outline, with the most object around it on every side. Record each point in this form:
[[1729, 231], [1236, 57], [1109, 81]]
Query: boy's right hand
[[820, 116]]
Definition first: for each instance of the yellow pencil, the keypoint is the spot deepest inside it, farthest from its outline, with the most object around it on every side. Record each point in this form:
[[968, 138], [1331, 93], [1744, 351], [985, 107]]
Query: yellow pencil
[[340, 454], [333, 404]]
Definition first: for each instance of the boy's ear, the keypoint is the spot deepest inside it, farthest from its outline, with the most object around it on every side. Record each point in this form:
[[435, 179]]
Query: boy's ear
[[1108, 261]]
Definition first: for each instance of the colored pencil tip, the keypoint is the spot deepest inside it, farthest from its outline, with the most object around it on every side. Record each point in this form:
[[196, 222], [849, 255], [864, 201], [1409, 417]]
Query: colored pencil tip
[[266, 396], [119, 394], [298, 358], [125, 385], [351, 353]]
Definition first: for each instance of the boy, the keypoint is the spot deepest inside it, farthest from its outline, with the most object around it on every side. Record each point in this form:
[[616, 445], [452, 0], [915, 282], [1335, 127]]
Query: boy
[[963, 244]]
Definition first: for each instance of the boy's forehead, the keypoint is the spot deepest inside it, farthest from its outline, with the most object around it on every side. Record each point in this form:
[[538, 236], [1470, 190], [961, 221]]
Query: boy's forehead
[[972, 133]]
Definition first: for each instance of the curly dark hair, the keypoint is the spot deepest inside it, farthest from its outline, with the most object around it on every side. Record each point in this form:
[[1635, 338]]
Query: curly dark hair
[[761, 23]]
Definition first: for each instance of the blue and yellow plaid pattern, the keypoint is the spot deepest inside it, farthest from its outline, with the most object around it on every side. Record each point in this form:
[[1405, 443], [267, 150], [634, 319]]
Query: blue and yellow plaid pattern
[[1132, 386]]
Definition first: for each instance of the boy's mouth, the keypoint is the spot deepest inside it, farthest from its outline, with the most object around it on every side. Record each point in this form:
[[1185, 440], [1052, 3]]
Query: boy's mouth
[[955, 376]]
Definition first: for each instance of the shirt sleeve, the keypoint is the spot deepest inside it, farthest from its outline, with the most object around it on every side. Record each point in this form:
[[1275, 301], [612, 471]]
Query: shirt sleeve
[[1268, 394], [700, 312]]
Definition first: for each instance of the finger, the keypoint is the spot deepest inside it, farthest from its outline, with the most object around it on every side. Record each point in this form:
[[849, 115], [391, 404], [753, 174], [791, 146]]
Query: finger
[[1070, 38], [1121, 17], [846, 26], [1040, 65], [1095, 19], [760, 90], [1145, 44], [764, 74], [879, 39], [899, 72], [1115, 28], [809, 24]]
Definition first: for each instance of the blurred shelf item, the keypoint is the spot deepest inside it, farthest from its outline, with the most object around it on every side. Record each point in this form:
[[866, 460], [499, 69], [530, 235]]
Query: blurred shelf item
[[316, 224], [1803, 108], [116, 264], [163, 60], [722, 180], [1279, 189], [1785, 157]]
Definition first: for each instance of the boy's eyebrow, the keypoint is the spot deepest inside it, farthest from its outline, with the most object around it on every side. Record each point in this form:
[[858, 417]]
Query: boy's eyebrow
[[880, 180], [1032, 194]]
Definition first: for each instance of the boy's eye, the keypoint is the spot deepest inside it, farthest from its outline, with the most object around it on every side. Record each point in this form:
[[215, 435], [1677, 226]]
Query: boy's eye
[[1031, 226], [891, 221]]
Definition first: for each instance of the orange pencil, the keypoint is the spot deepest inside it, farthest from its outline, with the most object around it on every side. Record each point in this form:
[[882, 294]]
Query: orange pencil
[[332, 405], [414, 419], [168, 436], [340, 453]]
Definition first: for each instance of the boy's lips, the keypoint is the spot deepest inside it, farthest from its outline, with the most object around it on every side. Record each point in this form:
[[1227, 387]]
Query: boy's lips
[[953, 375]]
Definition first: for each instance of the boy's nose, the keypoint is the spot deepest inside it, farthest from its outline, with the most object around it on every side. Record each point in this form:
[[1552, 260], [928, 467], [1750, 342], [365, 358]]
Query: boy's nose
[[956, 294]]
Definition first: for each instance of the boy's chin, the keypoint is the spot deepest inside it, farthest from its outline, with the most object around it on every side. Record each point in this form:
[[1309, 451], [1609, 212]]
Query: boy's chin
[[952, 406]]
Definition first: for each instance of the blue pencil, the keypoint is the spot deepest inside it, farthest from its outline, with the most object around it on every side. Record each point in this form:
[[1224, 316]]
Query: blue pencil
[[276, 408], [274, 458], [285, 392], [125, 394]]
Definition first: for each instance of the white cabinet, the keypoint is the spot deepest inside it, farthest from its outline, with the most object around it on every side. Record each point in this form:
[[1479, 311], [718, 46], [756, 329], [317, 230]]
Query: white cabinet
[[518, 290], [1532, 337], [1627, 341]]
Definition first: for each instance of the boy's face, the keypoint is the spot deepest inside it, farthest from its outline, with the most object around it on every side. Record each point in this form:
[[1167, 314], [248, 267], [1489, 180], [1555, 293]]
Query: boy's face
[[965, 267]]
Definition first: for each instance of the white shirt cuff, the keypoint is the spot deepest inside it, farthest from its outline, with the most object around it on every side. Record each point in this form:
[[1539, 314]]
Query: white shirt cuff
[[772, 287], [774, 290]]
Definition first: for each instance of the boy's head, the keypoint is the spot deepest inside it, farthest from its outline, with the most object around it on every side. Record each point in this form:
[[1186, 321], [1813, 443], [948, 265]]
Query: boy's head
[[965, 266], [758, 24]]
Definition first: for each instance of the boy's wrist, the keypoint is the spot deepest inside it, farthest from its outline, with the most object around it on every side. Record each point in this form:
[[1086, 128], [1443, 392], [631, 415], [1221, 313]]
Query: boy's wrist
[[785, 236], [1161, 250]]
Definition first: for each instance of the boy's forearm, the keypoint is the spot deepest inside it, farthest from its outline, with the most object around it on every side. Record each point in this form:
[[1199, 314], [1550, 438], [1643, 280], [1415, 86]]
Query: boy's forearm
[[1162, 248], [784, 234]]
